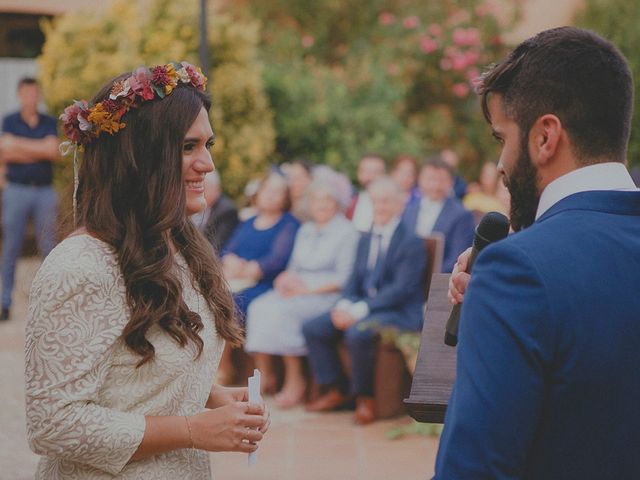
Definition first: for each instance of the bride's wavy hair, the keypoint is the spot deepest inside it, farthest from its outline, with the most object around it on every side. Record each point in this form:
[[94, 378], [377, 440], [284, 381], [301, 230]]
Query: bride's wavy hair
[[132, 196]]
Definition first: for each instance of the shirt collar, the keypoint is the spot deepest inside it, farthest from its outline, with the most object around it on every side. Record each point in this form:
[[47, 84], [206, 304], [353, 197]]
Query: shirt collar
[[427, 201], [388, 229], [601, 176]]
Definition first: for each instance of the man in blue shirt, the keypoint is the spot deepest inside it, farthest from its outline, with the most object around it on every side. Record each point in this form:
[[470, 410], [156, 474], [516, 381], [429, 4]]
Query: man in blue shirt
[[546, 382], [28, 146]]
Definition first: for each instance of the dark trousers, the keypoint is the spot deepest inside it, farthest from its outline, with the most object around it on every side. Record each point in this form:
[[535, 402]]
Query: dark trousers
[[322, 341]]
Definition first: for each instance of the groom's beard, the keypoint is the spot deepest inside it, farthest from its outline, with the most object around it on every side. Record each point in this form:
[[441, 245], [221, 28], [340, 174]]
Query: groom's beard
[[522, 185]]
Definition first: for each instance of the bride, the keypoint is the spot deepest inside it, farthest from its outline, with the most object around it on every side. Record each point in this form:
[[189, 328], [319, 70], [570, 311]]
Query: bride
[[128, 315]]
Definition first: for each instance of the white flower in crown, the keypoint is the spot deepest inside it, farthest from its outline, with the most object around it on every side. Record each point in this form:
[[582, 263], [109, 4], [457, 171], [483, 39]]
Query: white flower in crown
[[120, 89], [85, 125], [184, 75]]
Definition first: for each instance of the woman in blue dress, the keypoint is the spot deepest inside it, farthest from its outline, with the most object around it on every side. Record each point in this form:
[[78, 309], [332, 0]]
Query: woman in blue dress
[[260, 248]]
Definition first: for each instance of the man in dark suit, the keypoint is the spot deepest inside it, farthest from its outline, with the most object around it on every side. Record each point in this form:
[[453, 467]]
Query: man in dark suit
[[220, 218], [547, 384], [437, 211], [385, 289]]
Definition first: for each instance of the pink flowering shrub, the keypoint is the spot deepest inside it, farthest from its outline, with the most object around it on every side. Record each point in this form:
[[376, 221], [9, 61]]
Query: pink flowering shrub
[[391, 76]]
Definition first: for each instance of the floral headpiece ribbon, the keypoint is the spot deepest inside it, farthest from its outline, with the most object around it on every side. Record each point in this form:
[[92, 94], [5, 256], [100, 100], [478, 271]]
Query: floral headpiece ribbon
[[83, 123]]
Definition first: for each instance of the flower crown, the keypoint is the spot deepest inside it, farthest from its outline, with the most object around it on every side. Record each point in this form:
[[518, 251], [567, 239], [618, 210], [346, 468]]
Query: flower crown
[[83, 123]]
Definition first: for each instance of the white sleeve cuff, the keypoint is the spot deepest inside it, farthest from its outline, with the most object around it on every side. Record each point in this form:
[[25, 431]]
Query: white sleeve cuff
[[343, 304], [359, 310]]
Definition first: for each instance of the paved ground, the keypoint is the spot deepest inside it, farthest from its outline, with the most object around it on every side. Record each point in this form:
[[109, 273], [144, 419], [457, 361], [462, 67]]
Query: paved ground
[[299, 444]]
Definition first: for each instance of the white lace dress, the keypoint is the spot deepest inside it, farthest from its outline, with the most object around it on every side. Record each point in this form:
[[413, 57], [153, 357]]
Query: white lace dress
[[85, 398]]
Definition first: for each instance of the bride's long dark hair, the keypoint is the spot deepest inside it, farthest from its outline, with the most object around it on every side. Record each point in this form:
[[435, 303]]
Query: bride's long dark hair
[[132, 196]]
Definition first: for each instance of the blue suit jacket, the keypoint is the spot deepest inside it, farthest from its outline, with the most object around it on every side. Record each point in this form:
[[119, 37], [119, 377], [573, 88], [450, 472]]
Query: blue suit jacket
[[401, 285], [548, 375], [454, 222]]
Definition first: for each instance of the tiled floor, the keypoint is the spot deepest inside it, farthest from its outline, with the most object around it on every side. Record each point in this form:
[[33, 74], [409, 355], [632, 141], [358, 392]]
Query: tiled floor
[[299, 445]]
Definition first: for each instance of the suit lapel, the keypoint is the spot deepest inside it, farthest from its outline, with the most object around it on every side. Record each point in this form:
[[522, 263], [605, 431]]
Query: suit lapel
[[396, 240]]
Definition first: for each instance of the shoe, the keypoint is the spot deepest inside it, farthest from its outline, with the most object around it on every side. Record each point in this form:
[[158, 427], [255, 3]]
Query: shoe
[[331, 400], [4, 316], [365, 411]]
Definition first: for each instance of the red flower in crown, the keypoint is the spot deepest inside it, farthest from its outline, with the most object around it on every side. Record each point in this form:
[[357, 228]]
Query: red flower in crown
[[160, 76]]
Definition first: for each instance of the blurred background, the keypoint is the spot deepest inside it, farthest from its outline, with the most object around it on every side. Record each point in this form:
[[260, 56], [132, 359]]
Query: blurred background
[[327, 80]]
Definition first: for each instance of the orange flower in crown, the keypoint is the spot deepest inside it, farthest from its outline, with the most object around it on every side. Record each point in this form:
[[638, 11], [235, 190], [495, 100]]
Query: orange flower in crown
[[83, 123]]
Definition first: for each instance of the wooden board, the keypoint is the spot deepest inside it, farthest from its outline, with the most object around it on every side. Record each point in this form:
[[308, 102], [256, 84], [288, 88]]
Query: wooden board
[[436, 365]]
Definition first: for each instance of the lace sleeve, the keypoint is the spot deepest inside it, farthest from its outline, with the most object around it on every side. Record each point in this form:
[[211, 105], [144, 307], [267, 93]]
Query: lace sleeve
[[76, 316]]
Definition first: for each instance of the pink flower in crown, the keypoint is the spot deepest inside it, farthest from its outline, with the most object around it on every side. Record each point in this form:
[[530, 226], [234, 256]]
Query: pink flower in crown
[[196, 76], [411, 22], [120, 89], [83, 121], [71, 112], [71, 120], [386, 18], [140, 83]]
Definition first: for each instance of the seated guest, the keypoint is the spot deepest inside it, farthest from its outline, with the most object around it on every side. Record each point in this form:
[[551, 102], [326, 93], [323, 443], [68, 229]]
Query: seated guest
[[260, 248], [459, 188], [405, 174], [482, 196], [320, 264], [384, 289], [360, 212], [437, 211], [299, 176], [249, 209], [220, 218]]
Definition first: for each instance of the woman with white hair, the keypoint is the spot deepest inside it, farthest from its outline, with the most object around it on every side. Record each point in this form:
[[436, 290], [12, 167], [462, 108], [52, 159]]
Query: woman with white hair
[[320, 264]]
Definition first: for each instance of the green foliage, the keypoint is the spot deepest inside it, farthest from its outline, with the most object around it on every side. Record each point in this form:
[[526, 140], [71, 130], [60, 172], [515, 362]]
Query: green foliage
[[392, 76], [618, 21], [84, 50]]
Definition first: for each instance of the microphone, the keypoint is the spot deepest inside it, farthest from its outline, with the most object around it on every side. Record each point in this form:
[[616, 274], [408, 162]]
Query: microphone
[[494, 226]]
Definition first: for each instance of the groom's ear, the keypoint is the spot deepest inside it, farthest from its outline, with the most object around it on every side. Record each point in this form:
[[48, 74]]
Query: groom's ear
[[545, 138]]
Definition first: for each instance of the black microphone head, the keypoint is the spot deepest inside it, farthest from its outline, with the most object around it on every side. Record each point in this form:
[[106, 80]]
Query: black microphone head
[[493, 226]]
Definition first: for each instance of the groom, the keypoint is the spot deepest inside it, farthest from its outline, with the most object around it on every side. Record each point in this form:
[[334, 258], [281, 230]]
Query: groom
[[547, 380]]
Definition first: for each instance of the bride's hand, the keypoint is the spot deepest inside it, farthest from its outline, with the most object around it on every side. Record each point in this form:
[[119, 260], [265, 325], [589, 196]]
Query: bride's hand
[[220, 396], [236, 427]]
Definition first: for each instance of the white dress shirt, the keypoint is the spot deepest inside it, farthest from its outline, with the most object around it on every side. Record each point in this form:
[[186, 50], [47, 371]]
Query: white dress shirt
[[427, 216], [363, 213], [601, 176]]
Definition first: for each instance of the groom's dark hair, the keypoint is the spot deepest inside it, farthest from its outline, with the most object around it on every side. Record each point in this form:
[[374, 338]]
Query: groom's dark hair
[[576, 75]]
